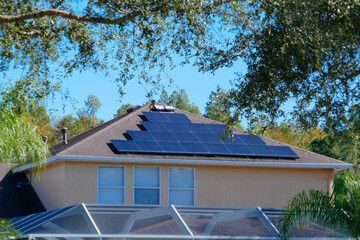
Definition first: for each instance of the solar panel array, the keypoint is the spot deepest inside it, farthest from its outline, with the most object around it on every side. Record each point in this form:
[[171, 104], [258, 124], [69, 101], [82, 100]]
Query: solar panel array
[[174, 133]]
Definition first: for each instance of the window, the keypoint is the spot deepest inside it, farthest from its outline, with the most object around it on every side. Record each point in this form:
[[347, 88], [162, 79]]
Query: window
[[146, 185], [181, 186], [111, 185]]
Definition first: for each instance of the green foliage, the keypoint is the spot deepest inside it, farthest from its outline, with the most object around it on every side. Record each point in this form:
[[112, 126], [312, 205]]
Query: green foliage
[[339, 210], [219, 108], [288, 132], [85, 120], [20, 141], [131, 37], [179, 100], [122, 110], [342, 138], [304, 50], [6, 231]]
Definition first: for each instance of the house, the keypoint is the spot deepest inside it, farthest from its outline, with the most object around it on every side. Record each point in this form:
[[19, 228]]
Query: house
[[155, 157]]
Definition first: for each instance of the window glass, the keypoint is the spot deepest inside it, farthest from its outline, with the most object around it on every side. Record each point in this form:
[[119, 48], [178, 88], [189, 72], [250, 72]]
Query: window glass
[[111, 196], [181, 177], [181, 197], [111, 185], [147, 177], [146, 185], [111, 176], [181, 186], [147, 196]]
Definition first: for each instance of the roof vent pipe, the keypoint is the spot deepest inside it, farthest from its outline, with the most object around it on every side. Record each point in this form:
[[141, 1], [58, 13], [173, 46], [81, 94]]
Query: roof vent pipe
[[64, 132], [44, 138]]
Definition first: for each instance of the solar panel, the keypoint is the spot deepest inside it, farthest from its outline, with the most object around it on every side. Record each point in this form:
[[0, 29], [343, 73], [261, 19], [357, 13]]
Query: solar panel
[[194, 148], [238, 149], [140, 135], [156, 116], [176, 127], [217, 128], [125, 145], [208, 137], [185, 137], [154, 126], [147, 146], [175, 133], [177, 117], [172, 147], [198, 128], [283, 151], [216, 148], [251, 139], [164, 136], [262, 151]]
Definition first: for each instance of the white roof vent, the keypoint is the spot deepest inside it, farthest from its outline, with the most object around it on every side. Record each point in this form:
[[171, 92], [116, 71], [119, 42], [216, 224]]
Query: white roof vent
[[163, 108], [169, 108]]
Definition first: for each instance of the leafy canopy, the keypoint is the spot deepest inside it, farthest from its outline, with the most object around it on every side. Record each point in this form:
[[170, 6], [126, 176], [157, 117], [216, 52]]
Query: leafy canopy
[[304, 50]]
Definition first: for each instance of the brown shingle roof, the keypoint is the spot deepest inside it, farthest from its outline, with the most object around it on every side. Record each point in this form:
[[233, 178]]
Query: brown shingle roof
[[96, 142]]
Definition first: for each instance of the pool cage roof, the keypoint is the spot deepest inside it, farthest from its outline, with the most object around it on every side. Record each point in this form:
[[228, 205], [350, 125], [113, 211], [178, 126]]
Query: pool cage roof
[[96, 221]]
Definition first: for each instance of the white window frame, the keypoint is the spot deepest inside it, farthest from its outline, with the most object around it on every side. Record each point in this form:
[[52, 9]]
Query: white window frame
[[158, 188], [111, 187], [171, 188]]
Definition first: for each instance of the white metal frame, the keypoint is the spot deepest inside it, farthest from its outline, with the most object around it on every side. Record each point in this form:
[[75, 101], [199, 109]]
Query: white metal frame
[[193, 189], [158, 188], [112, 187], [144, 212]]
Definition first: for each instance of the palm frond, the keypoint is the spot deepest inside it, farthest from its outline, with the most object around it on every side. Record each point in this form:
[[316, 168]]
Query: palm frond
[[20, 142], [315, 207]]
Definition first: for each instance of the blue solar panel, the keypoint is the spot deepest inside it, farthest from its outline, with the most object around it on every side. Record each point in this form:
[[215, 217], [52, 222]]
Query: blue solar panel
[[283, 151], [185, 137], [172, 147], [238, 149], [140, 135], [251, 139], [154, 126], [177, 117], [125, 145], [176, 127], [217, 128], [164, 136], [208, 137], [262, 151], [194, 148], [216, 148], [198, 128], [147, 146], [156, 116]]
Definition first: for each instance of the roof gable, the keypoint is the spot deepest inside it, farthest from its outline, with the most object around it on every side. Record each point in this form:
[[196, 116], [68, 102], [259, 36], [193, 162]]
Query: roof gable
[[97, 142]]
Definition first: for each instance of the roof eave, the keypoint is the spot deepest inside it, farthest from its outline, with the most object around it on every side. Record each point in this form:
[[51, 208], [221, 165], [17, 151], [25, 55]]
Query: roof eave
[[65, 158]]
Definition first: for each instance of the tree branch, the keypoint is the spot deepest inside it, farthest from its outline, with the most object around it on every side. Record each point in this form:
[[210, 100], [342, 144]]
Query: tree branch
[[70, 15], [82, 18]]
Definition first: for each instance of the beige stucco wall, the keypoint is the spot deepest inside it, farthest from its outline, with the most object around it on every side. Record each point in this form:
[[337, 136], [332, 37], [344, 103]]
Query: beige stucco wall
[[215, 185], [50, 185]]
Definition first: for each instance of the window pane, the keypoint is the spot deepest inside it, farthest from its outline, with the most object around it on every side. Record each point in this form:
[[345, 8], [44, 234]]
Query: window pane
[[181, 197], [147, 177], [111, 176], [147, 196], [181, 177], [111, 196]]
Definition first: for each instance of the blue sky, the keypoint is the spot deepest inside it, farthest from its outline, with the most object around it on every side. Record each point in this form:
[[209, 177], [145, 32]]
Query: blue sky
[[197, 85]]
